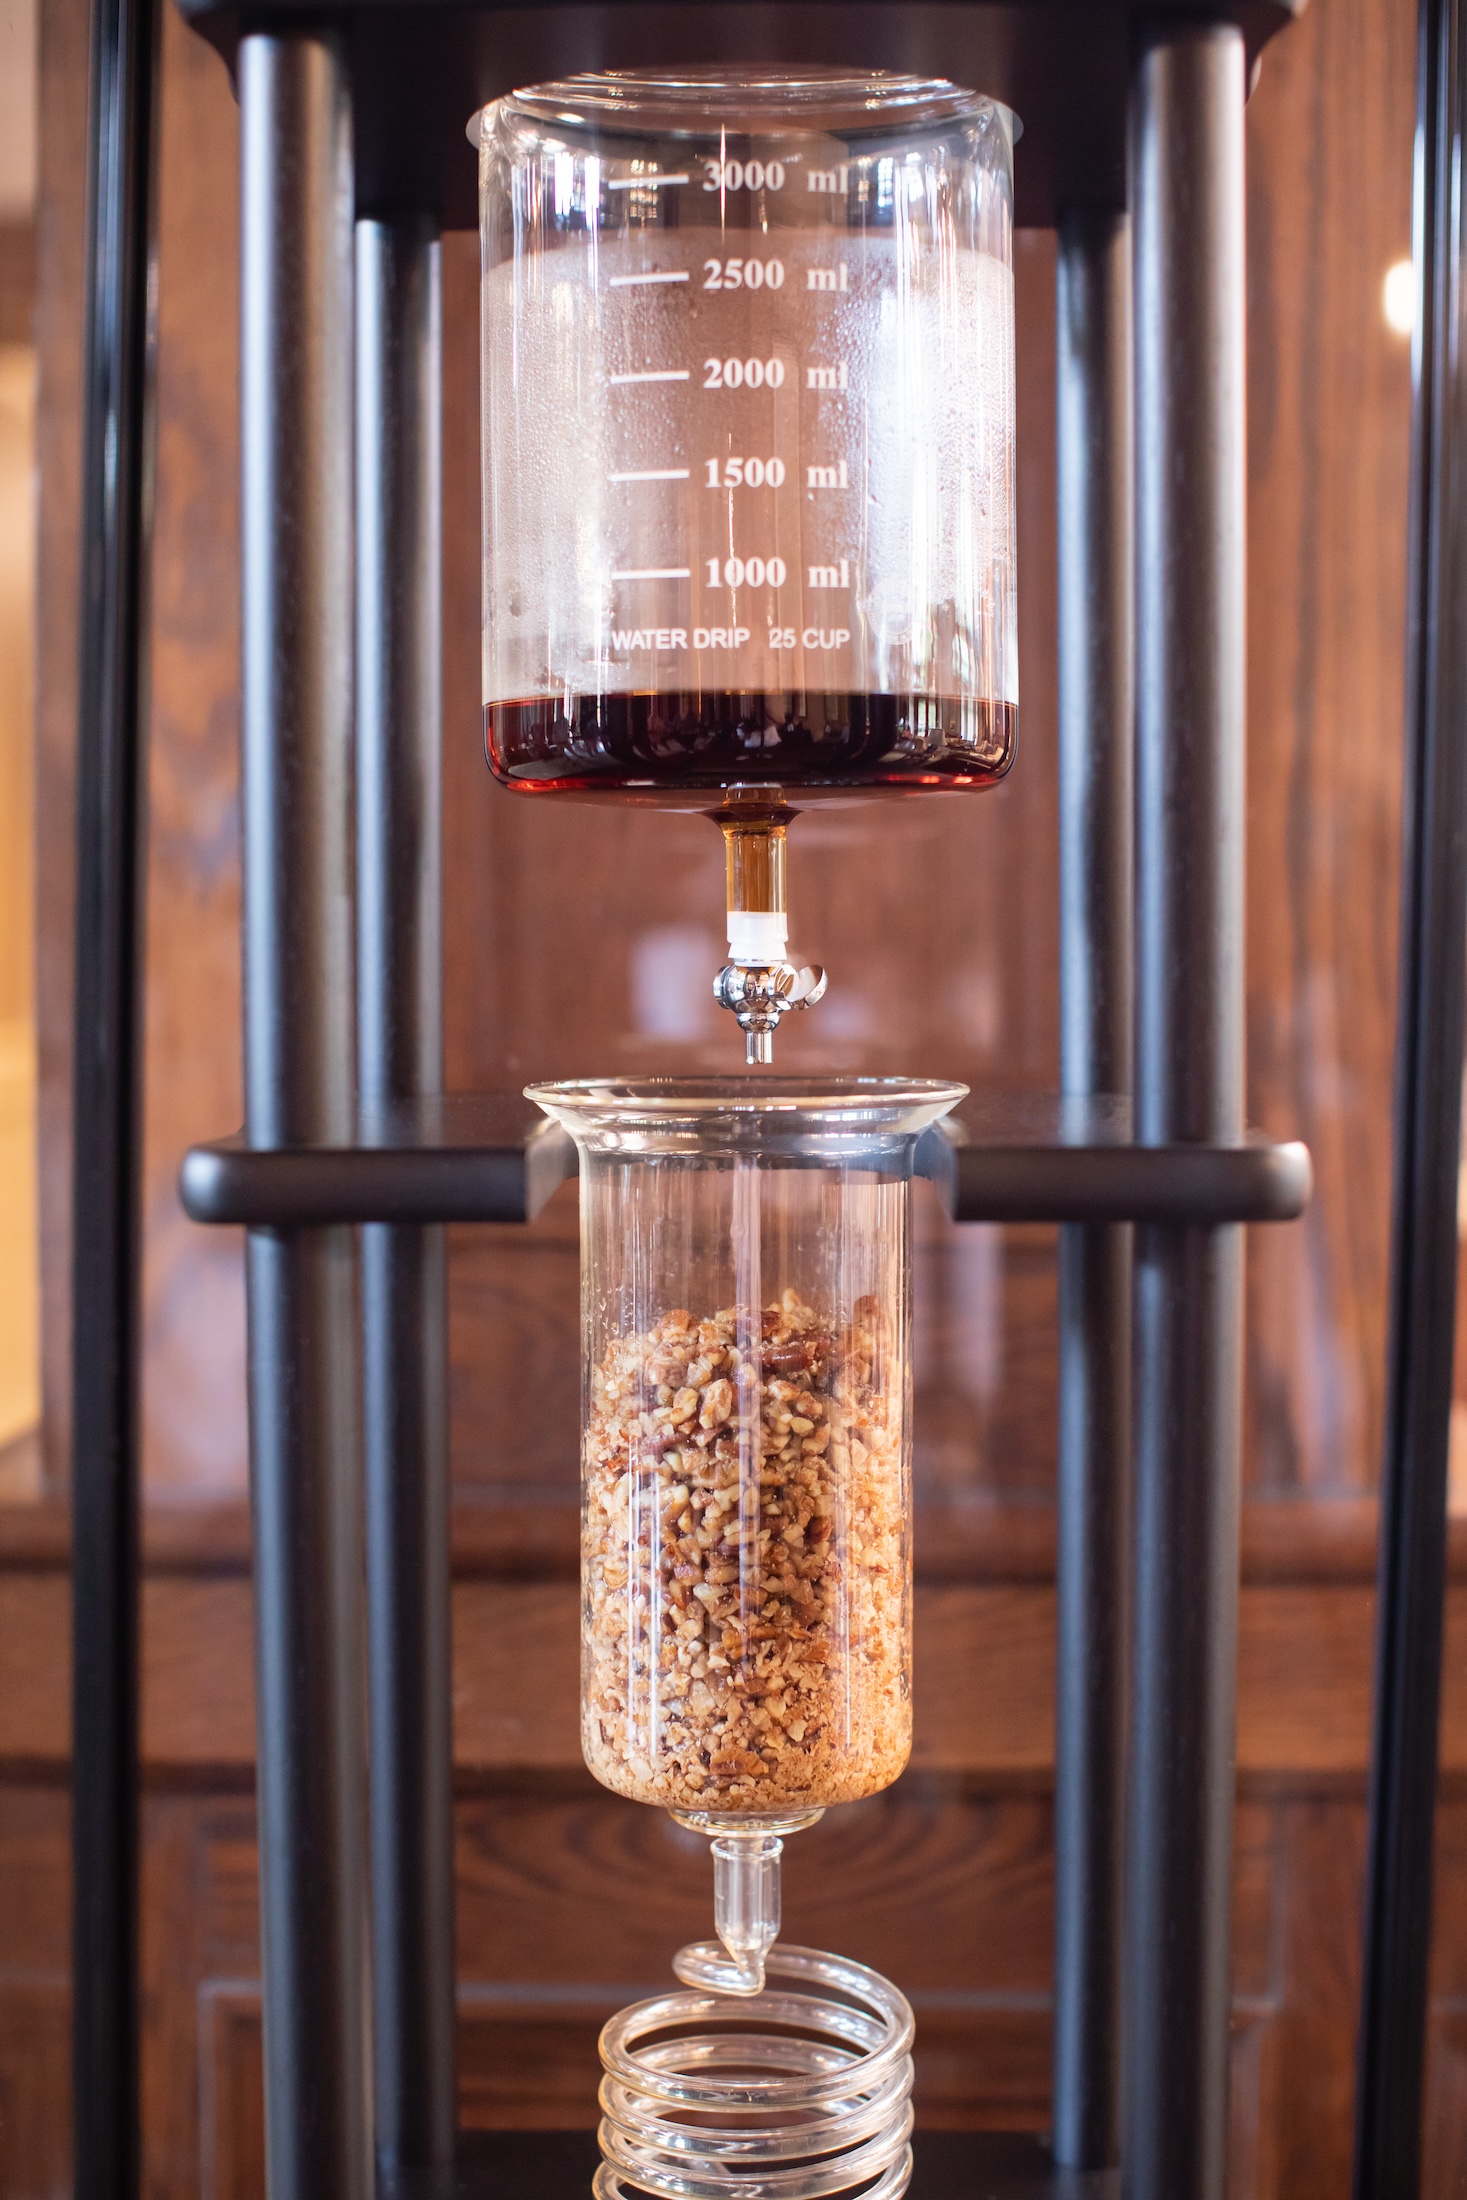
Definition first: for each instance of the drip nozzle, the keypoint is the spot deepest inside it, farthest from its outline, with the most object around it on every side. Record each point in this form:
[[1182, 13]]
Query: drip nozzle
[[745, 1914], [759, 983], [745, 1898]]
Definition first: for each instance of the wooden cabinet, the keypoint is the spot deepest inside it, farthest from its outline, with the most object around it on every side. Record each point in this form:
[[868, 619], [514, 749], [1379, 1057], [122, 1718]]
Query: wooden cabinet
[[571, 1901]]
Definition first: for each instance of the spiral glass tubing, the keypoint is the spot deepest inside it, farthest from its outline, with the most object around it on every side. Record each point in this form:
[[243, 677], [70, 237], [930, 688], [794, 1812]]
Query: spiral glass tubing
[[790, 2094]]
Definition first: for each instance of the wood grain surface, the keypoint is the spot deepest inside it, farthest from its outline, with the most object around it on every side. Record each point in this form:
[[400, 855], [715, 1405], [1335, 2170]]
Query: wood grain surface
[[983, 1678], [570, 1904]]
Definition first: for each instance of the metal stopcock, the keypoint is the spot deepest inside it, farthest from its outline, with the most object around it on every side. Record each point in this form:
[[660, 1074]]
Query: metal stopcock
[[760, 993]]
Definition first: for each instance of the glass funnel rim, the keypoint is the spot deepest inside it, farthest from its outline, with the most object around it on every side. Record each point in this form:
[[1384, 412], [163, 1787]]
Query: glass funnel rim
[[779, 1112], [766, 1094]]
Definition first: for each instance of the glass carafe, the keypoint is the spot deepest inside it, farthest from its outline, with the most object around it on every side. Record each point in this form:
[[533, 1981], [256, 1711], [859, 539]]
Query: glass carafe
[[748, 433]]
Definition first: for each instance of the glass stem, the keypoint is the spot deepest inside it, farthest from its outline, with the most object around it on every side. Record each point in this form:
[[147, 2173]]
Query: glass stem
[[754, 856], [746, 1901], [758, 929]]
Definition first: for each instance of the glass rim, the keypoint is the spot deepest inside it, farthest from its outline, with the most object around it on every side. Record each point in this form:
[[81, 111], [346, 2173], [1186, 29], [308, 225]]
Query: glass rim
[[678, 101], [851, 1099]]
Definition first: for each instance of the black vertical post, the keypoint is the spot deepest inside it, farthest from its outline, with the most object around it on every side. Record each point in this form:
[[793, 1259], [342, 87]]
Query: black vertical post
[[111, 813], [1428, 1114], [400, 1055], [296, 397], [1096, 796], [1190, 539]]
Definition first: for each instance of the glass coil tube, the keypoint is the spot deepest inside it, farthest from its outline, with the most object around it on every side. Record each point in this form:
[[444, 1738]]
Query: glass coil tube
[[816, 2101], [748, 433]]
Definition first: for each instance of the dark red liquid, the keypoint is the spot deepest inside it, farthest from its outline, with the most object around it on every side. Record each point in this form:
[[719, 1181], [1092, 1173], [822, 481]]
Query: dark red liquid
[[656, 747]]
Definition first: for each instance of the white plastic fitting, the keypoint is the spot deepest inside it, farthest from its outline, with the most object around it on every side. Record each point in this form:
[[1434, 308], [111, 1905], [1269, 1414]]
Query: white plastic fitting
[[757, 936]]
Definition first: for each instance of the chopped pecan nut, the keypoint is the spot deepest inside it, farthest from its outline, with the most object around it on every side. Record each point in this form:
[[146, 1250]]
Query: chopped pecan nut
[[745, 1571]]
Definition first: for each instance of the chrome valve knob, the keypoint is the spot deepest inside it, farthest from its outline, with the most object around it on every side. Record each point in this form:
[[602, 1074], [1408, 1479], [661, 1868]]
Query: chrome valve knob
[[760, 993]]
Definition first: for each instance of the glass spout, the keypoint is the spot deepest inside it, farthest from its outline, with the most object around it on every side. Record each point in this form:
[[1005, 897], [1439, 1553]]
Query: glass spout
[[746, 1902], [746, 1899]]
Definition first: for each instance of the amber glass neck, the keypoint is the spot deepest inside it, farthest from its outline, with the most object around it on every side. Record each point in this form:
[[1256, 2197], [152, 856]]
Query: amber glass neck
[[754, 830]]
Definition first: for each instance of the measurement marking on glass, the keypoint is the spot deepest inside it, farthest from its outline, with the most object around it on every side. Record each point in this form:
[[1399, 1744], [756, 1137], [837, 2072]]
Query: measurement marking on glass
[[643, 183], [655, 573], [653, 374], [633, 282], [655, 473]]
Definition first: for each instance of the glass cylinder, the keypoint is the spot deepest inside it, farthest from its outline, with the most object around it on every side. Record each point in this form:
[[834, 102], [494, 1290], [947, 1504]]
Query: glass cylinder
[[748, 433], [746, 1315]]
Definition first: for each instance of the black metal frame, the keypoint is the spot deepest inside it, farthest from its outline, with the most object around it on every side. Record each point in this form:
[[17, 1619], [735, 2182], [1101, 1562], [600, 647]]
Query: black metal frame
[[1428, 1115], [418, 68], [298, 624], [1190, 531], [111, 818], [1095, 461], [404, 1280], [353, 116]]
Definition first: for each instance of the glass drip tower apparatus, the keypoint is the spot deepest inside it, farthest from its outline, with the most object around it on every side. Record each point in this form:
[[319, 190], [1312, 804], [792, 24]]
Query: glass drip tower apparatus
[[748, 431], [749, 519]]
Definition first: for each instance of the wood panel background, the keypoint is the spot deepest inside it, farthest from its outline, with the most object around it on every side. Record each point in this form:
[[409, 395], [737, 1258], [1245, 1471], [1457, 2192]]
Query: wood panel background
[[571, 1901], [938, 922]]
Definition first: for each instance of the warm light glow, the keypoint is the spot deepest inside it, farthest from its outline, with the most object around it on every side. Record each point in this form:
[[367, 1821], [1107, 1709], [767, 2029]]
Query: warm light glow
[[1398, 297]]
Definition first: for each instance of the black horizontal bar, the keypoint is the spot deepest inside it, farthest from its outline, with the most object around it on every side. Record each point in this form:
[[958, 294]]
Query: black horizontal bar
[[285, 1189], [1258, 1182], [1029, 1158]]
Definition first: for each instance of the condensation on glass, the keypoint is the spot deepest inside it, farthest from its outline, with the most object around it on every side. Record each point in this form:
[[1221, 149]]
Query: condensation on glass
[[748, 434]]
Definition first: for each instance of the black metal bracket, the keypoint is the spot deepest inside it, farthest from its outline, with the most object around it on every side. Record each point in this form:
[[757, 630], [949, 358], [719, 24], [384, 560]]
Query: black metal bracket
[[495, 1159], [420, 68], [1261, 1181], [483, 1159]]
